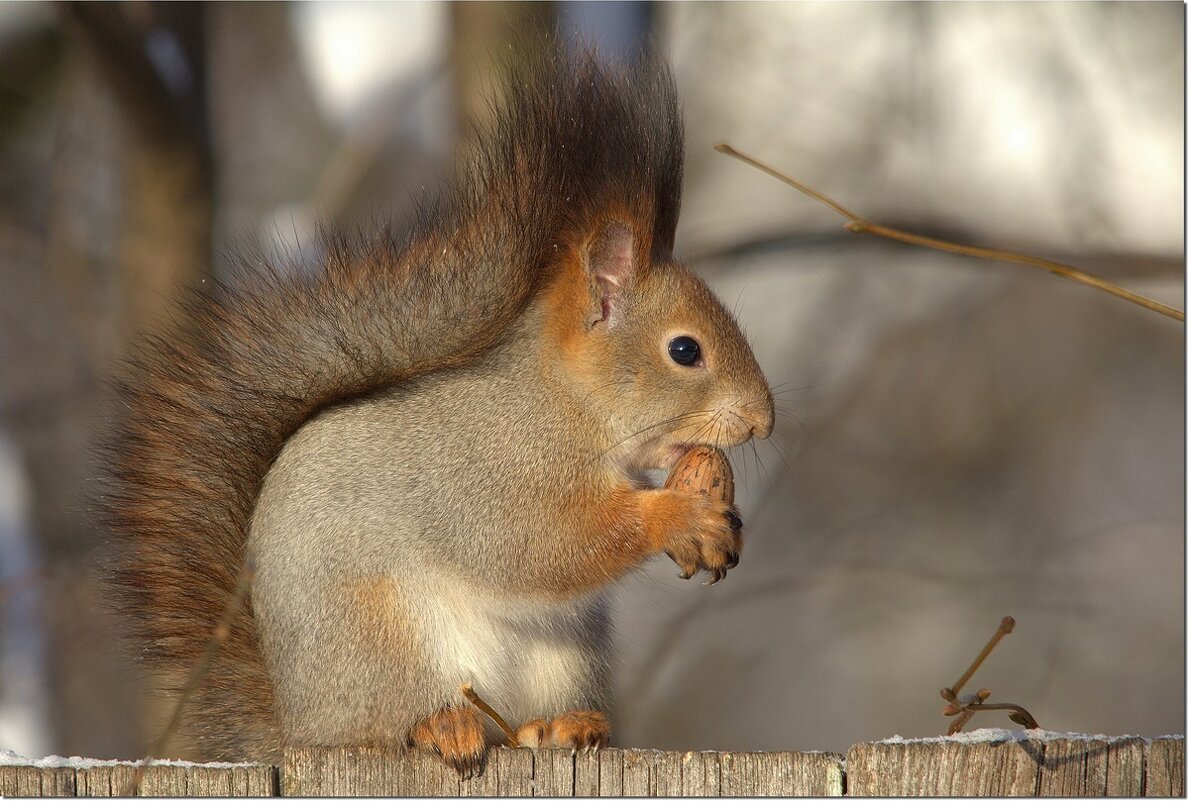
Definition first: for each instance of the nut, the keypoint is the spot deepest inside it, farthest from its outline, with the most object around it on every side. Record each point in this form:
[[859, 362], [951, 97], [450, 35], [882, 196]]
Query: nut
[[704, 470]]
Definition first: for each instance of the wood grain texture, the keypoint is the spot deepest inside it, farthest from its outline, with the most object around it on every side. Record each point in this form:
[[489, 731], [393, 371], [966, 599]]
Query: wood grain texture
[[107, 781], [781, 773], [942, 768], [368, 772], [1093, 768], [700, 774], [1076, 766], [1071, 767], [175, 780], [1164, 767], [553, 773], [609, 772], [24, 780]]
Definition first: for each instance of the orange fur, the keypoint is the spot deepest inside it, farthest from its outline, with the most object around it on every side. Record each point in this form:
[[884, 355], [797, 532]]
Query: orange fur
[[580, 729], [696, 531], [544, 277], [583, 729], [456, 734]]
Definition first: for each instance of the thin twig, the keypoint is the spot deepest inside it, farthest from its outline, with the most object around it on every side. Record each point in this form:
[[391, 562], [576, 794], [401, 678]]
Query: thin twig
[[1005, 626], [858, 225], [964, 710], [1016, 708], [219, 636], [486, 709]]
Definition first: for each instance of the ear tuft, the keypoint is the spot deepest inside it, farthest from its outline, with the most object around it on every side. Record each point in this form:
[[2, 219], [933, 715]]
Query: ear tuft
[[610, 264]]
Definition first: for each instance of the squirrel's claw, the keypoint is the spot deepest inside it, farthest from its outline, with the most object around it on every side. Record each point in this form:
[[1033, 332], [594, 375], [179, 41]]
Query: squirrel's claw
[[581, 729], [456, 735], [708, 538]]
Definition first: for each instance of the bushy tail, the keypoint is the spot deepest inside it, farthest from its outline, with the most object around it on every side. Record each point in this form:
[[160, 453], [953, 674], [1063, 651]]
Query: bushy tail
[[205, 410]]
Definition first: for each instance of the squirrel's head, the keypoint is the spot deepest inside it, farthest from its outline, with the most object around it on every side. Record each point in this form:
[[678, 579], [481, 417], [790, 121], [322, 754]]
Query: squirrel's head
[[653, 351]]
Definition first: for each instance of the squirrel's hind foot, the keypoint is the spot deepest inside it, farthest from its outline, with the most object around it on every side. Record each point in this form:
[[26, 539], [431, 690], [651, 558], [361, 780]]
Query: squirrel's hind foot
[[456, 735], [582, 729]]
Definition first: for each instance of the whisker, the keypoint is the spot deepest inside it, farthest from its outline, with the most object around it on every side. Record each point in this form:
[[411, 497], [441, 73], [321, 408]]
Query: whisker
[[759, 462], [646, 429], [698, 432], [783, 388], [776, 446]]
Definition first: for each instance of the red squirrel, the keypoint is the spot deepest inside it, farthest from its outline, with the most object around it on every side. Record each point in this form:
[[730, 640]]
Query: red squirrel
[[434, 450]]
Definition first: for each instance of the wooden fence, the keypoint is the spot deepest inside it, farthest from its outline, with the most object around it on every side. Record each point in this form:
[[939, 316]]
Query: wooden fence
[[1014, 764]]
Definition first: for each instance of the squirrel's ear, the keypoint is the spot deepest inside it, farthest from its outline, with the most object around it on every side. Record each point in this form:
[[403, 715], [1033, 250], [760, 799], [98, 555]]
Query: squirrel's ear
[[610, 263]]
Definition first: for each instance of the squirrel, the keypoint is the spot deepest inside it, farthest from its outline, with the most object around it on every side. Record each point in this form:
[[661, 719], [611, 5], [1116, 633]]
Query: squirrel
[[434, 450]]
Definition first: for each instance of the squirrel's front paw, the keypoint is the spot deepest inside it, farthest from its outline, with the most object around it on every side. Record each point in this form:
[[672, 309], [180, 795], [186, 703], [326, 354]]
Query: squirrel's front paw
[[709, 536], [583, 729], [456, 735]]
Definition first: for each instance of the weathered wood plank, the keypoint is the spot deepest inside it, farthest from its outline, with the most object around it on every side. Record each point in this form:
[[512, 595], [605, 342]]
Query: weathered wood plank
[[1018, 765], [1078, 767], [611, 773], [515, 777], [586, 774], [700, 774], [363, 772], [666, 775], [29, 781], [943, 768], [1014, 765], [811, 773], [780, 773], [1164, 767], [637, 773], [106, 781], [553, 774], [194, 781]]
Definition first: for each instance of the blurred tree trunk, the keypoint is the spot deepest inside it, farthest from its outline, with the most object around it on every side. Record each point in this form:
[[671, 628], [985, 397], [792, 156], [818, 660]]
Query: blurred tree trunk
[[128, 226], [480, 31], [269, 139]]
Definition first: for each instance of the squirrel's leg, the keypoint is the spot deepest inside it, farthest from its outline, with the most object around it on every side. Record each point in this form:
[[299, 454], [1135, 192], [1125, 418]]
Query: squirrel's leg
[[571, 683], [351, 664]]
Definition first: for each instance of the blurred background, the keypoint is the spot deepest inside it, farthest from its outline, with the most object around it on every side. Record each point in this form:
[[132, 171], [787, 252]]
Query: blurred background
[[959, 440]]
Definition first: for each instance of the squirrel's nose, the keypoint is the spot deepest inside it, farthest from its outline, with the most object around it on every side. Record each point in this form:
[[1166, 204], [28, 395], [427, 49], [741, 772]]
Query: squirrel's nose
[[764, 429], [762, 417]]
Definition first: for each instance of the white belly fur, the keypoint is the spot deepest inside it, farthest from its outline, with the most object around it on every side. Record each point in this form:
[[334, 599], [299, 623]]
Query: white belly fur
[[525, 658]]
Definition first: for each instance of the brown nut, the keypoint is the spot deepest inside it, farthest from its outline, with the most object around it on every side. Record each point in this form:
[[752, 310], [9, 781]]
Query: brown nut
[[704, 470]]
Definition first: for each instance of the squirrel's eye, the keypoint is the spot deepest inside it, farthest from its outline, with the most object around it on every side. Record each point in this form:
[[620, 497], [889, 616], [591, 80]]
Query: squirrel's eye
[[685, 351]]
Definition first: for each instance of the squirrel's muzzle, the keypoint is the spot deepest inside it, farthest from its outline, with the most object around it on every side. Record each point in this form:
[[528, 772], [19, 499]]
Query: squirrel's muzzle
[[759, 415]]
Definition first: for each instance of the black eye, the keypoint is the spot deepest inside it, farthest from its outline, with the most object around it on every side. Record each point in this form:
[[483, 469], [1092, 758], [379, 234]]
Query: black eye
[[685, 351]]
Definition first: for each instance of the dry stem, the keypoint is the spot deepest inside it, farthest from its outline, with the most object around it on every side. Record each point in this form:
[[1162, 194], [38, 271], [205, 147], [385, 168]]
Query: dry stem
[[1005, 626], [486, 709], [858, 225], [965, 710], [219, 636]]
